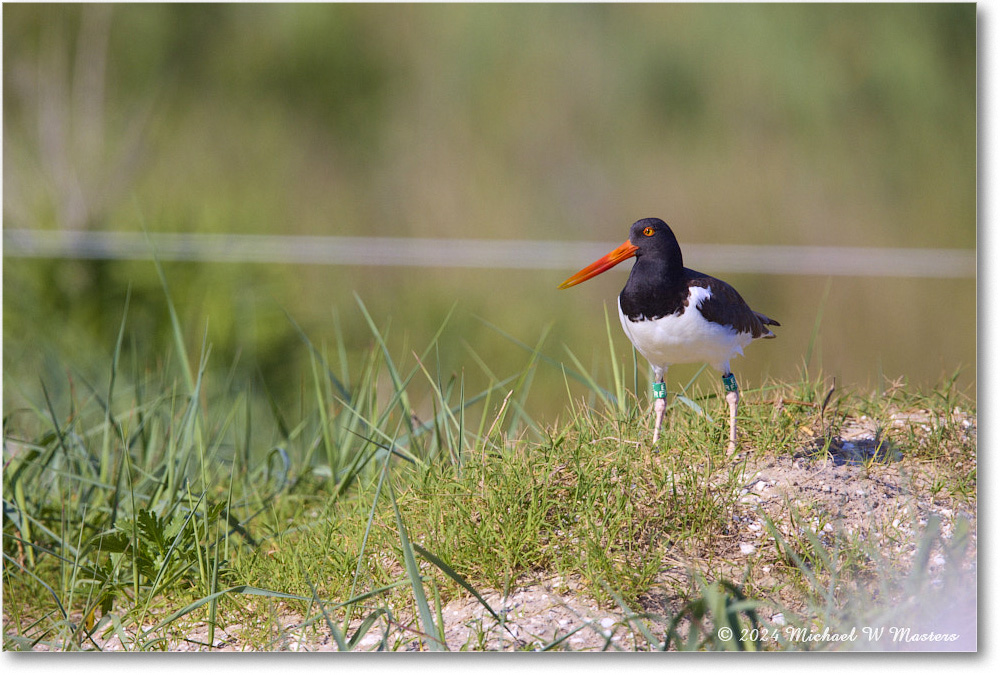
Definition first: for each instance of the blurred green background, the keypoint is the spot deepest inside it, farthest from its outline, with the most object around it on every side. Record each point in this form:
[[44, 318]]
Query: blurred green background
[[838, 125]]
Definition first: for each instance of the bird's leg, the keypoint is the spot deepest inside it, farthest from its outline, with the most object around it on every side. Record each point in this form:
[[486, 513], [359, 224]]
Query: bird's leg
[[733, 398], [659, 403]]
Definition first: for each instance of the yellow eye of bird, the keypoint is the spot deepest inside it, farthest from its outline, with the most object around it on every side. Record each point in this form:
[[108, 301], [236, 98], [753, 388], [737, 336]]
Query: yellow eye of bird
[[648, 231]]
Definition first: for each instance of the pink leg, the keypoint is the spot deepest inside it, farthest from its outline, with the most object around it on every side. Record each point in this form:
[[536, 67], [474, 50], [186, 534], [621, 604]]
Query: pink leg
[[659, 400], [659, 405], [733, 398]]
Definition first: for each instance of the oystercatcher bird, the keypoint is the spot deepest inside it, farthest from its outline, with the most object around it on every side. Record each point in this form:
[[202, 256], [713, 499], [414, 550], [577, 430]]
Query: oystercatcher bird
[[673, 314]]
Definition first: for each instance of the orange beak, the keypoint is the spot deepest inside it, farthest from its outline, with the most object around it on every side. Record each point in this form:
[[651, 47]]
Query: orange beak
[[623, 252]]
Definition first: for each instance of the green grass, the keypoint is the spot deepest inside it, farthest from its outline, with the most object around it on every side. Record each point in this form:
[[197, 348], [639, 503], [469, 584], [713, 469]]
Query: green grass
[[173, 497]]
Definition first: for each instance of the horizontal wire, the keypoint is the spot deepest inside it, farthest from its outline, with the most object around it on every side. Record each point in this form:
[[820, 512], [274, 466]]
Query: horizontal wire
[[478, 253]]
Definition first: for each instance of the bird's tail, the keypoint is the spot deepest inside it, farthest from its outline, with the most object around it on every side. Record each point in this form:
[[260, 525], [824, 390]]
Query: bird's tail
[[767, 321]]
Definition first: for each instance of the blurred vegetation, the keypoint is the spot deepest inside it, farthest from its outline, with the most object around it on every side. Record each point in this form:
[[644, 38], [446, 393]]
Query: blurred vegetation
[[772, 124]]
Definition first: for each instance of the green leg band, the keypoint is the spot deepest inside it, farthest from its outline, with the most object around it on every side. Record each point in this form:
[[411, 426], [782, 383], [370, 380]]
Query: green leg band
[[729, 381], [659, 390]]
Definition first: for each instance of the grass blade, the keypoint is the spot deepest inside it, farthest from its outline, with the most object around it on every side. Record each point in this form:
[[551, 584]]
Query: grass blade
[[426, 617], [460, 580], [814, 336]]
